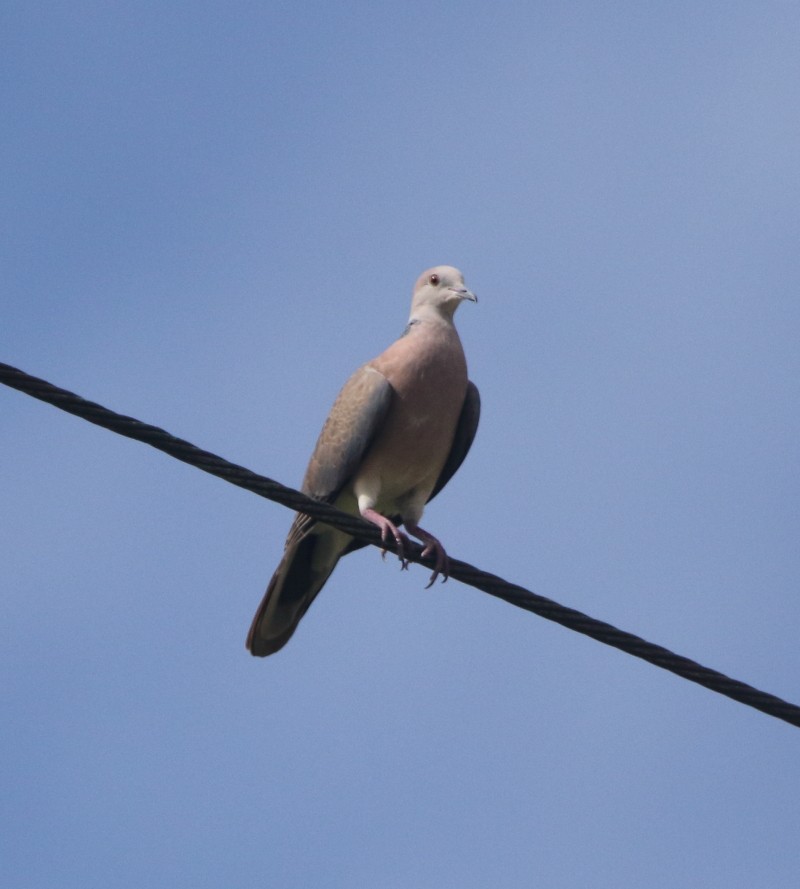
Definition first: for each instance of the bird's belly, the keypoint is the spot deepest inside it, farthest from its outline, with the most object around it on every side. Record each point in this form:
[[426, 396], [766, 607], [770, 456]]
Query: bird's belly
[[405, 460]]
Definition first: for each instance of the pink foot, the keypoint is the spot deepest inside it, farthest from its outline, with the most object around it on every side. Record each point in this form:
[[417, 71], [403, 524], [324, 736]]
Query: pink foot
[[432, 547], [388, 529]]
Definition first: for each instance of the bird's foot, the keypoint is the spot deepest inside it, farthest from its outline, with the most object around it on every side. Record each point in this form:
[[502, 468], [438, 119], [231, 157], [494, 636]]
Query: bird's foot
[[389, 529], [441, 566]]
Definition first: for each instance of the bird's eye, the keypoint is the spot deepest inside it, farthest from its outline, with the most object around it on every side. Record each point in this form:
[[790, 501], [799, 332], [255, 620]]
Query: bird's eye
[[434, 279]]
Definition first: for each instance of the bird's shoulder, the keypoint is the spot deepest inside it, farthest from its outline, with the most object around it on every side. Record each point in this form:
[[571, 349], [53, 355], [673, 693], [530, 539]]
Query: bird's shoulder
[[352, 424]]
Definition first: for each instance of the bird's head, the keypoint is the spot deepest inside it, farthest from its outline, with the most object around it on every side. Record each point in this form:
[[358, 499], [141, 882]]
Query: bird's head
[[440, 289]]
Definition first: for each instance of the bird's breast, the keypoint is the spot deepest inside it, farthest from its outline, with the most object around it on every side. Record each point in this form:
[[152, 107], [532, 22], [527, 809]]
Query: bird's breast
[[409, 452]]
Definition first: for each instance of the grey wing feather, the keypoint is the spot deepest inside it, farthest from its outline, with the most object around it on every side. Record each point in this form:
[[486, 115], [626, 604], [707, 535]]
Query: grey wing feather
[[311, 550], [355, 419], [462, 441]]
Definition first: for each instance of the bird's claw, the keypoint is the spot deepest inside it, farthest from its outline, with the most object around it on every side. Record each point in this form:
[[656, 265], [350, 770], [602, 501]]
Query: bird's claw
[[400, 539], [442, 565]]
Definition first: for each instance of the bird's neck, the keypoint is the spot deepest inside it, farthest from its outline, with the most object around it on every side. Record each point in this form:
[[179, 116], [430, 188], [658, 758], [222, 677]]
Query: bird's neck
[[437, 315]]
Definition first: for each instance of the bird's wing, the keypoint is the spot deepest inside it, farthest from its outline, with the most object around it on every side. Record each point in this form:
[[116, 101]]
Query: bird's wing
[[311, 554], [462, 441], [355, 419], [353, 422]]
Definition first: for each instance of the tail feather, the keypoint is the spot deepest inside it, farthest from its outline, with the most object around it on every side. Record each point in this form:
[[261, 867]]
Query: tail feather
[[305, 567]]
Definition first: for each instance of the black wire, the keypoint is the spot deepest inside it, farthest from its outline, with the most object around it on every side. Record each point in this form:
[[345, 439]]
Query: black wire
[[354, 525]]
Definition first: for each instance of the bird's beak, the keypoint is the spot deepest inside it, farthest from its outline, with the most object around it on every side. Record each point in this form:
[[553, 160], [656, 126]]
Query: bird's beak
[[463, 293]]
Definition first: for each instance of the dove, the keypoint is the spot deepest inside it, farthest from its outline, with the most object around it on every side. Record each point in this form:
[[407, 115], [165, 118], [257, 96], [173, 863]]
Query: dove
[[399, 429]]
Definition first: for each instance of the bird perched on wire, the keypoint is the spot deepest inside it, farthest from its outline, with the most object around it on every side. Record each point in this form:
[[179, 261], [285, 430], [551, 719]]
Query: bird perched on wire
[[398, 430]]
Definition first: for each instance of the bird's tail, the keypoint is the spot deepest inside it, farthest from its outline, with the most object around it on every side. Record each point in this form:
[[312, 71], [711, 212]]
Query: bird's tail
[[306, 564]]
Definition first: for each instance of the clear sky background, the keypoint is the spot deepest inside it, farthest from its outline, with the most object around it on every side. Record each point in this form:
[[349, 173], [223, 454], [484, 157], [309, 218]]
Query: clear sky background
[[210, 214]]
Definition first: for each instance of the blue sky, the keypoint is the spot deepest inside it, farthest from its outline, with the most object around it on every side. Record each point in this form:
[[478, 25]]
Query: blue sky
[[211, 214]]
